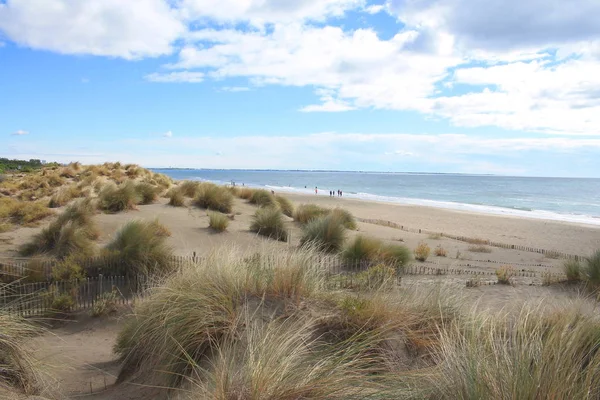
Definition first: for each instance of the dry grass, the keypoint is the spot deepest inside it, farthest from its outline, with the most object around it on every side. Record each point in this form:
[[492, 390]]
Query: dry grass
[[477, 241], [326, 234], [176, 197], [370, 251], [147, 193], [213, 197], [505, 274], [23, 213], [217, 221], [64, 195], [189, 188], [573, 270], [262, 198], [245, 193], [307, 212], [113, 198], [286, 206], [422, 251], [440, 251], [268, 221], [346, 218], [479, 249]]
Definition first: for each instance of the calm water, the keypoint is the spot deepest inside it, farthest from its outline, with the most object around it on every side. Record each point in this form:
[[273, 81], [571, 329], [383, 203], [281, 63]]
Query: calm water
[[568, 199]]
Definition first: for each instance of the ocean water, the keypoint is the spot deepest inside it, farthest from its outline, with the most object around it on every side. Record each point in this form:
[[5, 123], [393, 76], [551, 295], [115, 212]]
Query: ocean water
[[565, 199]]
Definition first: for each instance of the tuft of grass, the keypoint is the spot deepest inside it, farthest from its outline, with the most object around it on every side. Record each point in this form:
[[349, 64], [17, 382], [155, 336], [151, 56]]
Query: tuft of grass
[[505, 274], [218, 221], [268, 221], [106, 304], [377, 277], [286, 206], [591, 270], [573, 270], [139, 248], [23, 213], [477, 241], [147, 193], [435, 236], [213, 197], [479, 249], [61, 239], [553, 254], [245, 193], [345, 217], [362, 249], [64, 196], [113, 198], [176, 197], [262, 198], [440, 251], [307, 212], [189, 188], [395, 255], [326, 234], [422, 252]]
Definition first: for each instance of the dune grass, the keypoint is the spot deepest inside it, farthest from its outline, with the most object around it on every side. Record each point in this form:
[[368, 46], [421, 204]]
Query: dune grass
[[345, 217], [139, 247], [189, 188], [479, 249], [305, 213], [285, 205], [262, 198], [439, 251], [63, 196], [176, 197], [217, 221], [591, 270], [572, 270], [245, 193], [326, 233], [505, 274], [114, 199], [213, 197], [268, 221], [422, 251], [368, 250], [146, 192], [22, 212]]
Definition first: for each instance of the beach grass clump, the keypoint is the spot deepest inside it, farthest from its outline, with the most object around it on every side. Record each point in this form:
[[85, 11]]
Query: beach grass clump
[[23, 212], [439, 251], [139, 247], [114, 199], [185, 322], [162, 180], [305, 213], [63, 196], [591, 270], [176, 197], [189, 188], [505, 274], [376, 277], [533, 355], [477, 241], [262, 198], [245, 193], [573, 270], [394, 255], [268, 221], [326, 234], [285, 205], [217, 221], [479, 249], [422, 252], [213, 197], [345, 217], [361, 249], [146, 192]]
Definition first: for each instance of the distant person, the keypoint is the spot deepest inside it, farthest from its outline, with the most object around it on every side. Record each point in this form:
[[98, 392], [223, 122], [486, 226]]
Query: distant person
[[273, 192], [316, 190], [341, 193]]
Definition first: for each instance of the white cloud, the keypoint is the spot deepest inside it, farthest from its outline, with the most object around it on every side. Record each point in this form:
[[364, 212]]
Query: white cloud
[[235, 89], [402, 153], [116, 28], [375, 8], [168, 134], [20, 133], [176, 77]]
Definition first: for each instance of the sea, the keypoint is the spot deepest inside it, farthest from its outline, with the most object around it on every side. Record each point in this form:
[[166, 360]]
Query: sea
[[562, 199]]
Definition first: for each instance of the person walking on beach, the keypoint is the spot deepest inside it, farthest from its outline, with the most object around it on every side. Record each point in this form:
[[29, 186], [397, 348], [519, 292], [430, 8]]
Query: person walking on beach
[[316, 190]]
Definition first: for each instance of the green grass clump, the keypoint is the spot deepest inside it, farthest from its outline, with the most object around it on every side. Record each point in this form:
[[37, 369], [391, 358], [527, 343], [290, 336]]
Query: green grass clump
[[307, 212], [213, 197], [573, 270], [591, 270], [394, 255], [189, 188], [218, 221], [113, 198], [262, 198], [147, 193], [326, 234], [176, 197], [268, 221], [139, 247], [245, 193], [370, 251], [285, 205], [345, 217]]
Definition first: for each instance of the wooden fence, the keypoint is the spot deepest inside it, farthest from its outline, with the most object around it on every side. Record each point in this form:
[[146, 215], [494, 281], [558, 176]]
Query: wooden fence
[[553, 253]]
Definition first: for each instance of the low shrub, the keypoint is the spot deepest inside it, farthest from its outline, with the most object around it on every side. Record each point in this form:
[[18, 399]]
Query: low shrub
[[505, 274], [326, 234], [572, 270], [479, 249], [346, 218], [262, 198], [68, 269], [218, 221], [60, 239], [63, 303], [591, 269], [113, 198], [268, 221], [138, 249], [147, 193], [213, 197], [305, 213], [285, 205], [422, 251], [106, 304], [440, 251]]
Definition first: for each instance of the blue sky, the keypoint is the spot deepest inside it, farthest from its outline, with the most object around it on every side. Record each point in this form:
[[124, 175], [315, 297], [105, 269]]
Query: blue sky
[[397, 85]]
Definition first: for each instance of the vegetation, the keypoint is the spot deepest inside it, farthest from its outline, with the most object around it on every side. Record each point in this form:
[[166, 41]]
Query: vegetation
[[23, 213], [573, 270], [64, 196], [7, 165], [147, 193], [326, 234], [505, 274], [422, 252], [268, 221], [218, 221], [591, 270], [245, 193], [395, 255], [345, 217], [262, 198], [113, 198], [106, 304], [371, 251], [479, 249], [189, 188], [176, 197], [286, 206], [140, 248], [440, 251], [213, 197], [307, 212]]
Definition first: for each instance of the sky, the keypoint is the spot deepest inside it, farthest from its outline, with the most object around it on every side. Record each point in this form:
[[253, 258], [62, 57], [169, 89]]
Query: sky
[[507, 87]]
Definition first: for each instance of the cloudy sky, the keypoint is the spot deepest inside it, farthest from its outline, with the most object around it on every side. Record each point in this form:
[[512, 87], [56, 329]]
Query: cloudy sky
[[470, 86]]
